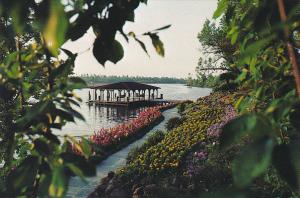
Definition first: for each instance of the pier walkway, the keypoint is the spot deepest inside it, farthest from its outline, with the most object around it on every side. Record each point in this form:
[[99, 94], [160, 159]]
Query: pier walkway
[[129, 94]]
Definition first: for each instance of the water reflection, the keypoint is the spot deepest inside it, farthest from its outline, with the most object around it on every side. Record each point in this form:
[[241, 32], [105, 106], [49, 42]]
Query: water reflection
[[116, 113], [97, 117]]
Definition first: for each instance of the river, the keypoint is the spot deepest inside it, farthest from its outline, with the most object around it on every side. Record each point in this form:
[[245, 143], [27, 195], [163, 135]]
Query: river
[[97, 117]]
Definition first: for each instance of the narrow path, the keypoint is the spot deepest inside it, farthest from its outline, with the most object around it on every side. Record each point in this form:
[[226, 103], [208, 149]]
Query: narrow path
[[78, 188]]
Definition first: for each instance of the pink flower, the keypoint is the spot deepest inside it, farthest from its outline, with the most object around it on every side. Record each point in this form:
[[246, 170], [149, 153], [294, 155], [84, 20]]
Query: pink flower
[[106, 137]]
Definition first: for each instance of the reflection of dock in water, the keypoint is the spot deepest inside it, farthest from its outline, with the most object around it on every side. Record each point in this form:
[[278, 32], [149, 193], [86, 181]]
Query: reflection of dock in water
[[116, 113], [128, 94]]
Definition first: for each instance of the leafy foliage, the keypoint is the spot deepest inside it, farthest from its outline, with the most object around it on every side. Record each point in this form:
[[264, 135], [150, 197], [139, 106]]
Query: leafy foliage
[[203, 167], [217, 65], [267, 62], [37, 88], [173, 123], [202, 80]]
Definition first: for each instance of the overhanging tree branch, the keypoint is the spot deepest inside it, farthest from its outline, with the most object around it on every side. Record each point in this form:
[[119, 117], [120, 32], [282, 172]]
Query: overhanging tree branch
[[290, 48]]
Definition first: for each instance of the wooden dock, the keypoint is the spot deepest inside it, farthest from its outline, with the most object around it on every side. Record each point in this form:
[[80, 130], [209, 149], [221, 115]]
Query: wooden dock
[[127, 94], [129, 103]]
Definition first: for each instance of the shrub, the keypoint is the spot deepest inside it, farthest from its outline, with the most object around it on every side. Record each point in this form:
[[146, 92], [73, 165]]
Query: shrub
[[133, 153], [173, 123], [155, 138], [183, 106]]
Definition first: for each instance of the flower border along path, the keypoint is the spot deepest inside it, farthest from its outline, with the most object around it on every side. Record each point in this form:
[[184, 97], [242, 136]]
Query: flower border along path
[[105, 142], [161, 167]]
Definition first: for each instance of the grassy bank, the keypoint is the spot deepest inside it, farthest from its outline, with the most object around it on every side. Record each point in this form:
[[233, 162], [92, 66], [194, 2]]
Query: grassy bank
[[187, 160]]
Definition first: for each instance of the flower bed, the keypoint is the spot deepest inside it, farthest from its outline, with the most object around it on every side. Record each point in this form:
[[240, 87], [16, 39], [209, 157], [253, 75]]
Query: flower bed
[[107, 141], [171, 151], [187, 161], [176, 161], [107, 137]]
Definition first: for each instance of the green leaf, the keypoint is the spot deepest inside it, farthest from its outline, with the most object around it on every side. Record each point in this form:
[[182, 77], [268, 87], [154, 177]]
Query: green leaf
[[60, 70], [44, 183], [242, 76], [76, 83], [73, 83], [294, 117], [72, 112], [144, 1], [24, 175], [86, 147], [253, 69], [59, 183], [234, 37], [162, 28], [13, 71], [42, 147], [286, 161], [69, 53], [75, 170], [56, 26], [79, 27], [117, 52], [65, 115], [51, 137], [222, 6], [6, 93], [143, 46], [280, 108], [34, 112], [130, 16], [158, 45], [79, 161], [20, 12], [253, 49], [248, 124], [252, 162], [106, 51]]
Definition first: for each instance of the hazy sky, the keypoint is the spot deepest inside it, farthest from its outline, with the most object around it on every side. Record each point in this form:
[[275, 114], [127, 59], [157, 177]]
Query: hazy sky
[[180, 41]]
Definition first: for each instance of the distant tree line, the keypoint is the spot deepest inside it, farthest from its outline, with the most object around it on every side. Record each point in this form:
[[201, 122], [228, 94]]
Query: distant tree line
[[94, 79]]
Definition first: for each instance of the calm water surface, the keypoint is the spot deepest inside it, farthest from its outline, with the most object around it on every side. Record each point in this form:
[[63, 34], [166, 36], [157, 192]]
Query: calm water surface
[[99, 116]]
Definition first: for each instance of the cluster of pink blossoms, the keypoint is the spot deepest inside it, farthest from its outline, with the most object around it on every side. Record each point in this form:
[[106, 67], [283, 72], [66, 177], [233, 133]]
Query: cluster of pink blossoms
[[110, 136]]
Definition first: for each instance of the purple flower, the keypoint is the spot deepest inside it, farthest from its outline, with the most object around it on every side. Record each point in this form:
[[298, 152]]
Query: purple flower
[[215, 129], [200, 155]]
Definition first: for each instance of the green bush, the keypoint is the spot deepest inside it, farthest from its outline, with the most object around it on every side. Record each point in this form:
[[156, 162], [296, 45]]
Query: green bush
[[155, 138], [173, 123], [183, 106]]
